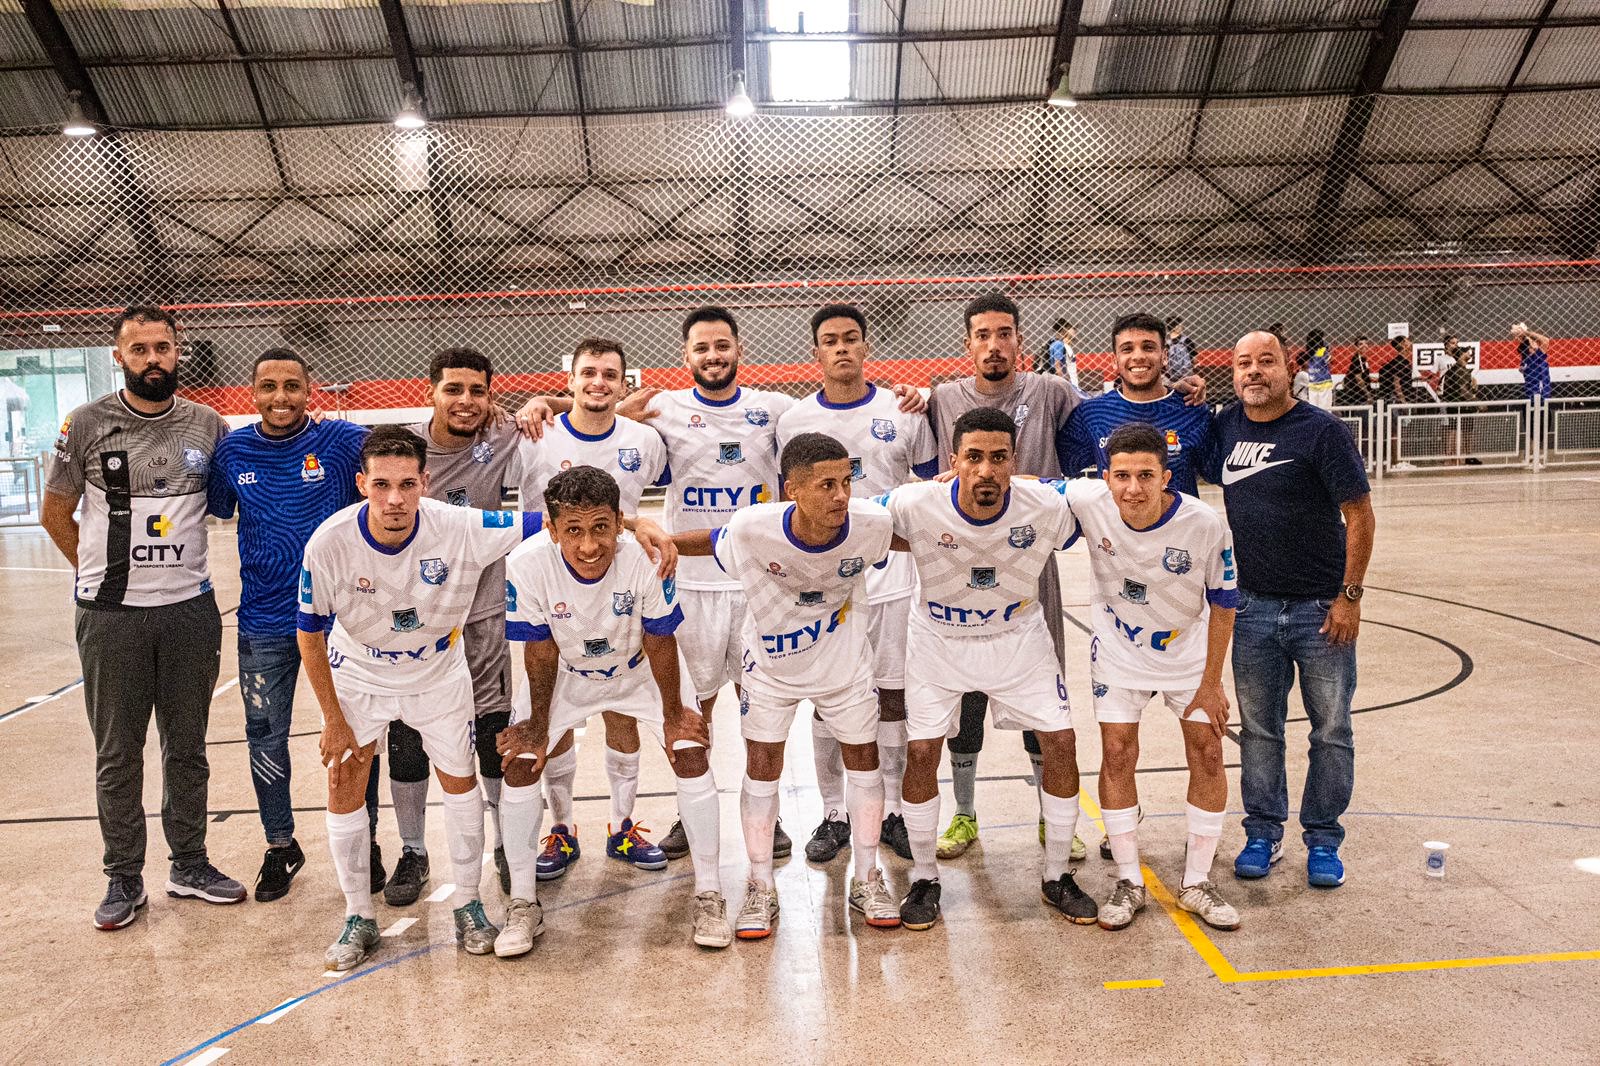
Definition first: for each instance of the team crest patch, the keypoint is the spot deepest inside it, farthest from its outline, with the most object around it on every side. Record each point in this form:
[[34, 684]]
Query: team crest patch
[[883, 429], [983, 577], [311, 469], [621, 603], [1099, 689], [1134, 591], [593, 649], [406, 620], [729, 453], [456, 497], [857, 472], [497, 519], [434, 571], [1022, 537], [757, 416], [1173, 445], [1176, 561], [852, 566], [809, 599], [511, 598], [628, 459], [482, 452], [194, 460]]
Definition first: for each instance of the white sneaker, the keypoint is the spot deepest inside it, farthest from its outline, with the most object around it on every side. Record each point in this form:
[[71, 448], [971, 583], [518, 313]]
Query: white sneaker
[[874, 900], [524, 923], [1204, 899], [711, 928], [1127, 899], [759, 911]]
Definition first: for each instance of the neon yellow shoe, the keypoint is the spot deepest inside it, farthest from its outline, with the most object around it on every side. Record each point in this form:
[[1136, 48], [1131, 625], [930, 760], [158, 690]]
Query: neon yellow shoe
[[959, 837], [1080, 851]]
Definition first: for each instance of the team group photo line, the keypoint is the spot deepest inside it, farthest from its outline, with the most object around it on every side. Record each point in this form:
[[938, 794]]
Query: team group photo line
[[885, 554]]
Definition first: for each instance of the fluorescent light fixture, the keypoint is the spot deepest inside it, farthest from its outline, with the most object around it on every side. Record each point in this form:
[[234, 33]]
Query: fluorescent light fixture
[[410, 116], [1062, 97], [77, 125], [739, 104]]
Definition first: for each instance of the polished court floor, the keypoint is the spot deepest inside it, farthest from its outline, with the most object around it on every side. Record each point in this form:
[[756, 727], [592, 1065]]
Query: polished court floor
[[1480, 664]]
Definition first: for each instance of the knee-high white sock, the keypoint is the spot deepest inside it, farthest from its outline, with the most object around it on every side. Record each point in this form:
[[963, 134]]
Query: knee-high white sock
[[1205, 829], [522, 817], [863, 797], [701, 815], [622, 770], [559, 772], [411, 812], [892, 761], [964, 780], [350, 841], [922, 829], [491, 803], [758, 813], [1122, 831], [1060, 823], [829, 761], [1037, 759], [463, 826]]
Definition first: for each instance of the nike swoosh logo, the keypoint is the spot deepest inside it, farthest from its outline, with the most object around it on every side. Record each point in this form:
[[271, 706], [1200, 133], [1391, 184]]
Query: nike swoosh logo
[[1231, 476]]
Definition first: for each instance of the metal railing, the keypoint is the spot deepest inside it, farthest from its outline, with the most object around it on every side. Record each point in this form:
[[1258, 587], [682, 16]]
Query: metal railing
[[21, 489]]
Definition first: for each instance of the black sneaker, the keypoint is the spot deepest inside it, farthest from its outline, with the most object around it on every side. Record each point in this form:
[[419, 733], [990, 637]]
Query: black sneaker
[[278, 868], [828, 838], [1105, 849], [920, 909], [380, 876], [410, 874], [204, 881], [782, 846], [124, 897], [676, 842], [1065, 896], [503, 868], [893, 835]]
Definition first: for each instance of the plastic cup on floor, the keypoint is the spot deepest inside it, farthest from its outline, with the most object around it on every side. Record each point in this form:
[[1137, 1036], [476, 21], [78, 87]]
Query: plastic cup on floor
[[1435, 863]]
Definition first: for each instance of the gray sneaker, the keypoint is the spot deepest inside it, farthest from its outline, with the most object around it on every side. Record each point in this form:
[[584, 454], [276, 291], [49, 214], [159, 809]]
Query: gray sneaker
[[676, 842], [473, 930], [1126, 900], [355, 943], [124, 897], [206, 882]]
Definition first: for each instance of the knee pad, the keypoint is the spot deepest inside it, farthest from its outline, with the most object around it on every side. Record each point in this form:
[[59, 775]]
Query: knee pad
[[487, 731], [1030, 742], [407, 761], [969, 741]]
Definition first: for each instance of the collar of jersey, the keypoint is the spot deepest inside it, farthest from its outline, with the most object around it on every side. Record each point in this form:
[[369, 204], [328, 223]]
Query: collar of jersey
[[1177, 498], [270, 439], [366, 534], [1119, 394], [822, 398], [844, 531], [565, 421], [135, 412], [729, 402], [955, 501], [579, 577]]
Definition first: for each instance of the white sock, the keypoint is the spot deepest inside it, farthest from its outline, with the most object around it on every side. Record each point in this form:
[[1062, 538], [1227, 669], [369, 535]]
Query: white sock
[[411, 812], [922, 829], [1122, 831], [830, 769], [701, 815], [1060, 824], [1205, 830], [758, 813], [463, 826], [622, 770], [559, 772], [522, 817], [863, 797], [350, 840], [1038, 778], [491, 803], [964, 781], [892, 761]]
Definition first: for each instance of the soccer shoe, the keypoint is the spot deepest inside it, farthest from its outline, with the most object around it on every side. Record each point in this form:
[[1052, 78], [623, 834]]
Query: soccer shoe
[[560, 851], [1126, 900], [1077, 853], [960, 836], [1065, 896], [124, 896], [524, 922], [920, 909], [503, 868], [1105, 842], [1257, 858], [410, 874], [892, 835], [473, 930], [711, 928], [360, 936], [204, 881], [1323, 868], [872, 898], [380, 876], [828, 839], [675, 845], [278, 868], [759, 911], [629, 845], [1204, 900], [782, 846]]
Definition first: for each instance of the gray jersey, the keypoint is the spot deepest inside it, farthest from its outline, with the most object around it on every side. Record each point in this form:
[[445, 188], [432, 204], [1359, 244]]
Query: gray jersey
[[476, 475], [1039, 404], [143, 483]]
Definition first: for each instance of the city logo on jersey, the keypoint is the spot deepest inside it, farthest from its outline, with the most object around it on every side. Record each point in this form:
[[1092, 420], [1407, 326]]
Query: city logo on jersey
[[593, 649], [406, 620], [857, 471], [621, 603], [1160, 639], [434, 571], [560, 611], [194, 460], [311, 469], [983, 577], [1227, 564], [1176, 561], [482, 452], [456, 497], [511, 598], [1020, 415], [717, 497], [1022, 537], [1099, 690], [1173, 446], [498, 519], [883, 429], [852, 566], [948, 540], [158, 525], [809, 599], [669, 589], [363, 584], [729, 453], [1105, 546], [802, 639], [696, 422], [776, 570], [1134, 591], [757, 416], [628, 459]]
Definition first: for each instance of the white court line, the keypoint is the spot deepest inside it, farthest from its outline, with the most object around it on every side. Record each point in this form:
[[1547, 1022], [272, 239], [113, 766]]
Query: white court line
[[210, 1054], [334, 973], [42, 570], [400, 926], [441, 893], [283, 1008], [224, 687]]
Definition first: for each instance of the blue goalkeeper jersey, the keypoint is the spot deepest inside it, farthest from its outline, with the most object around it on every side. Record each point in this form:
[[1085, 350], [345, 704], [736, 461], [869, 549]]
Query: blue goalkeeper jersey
[[1081, 443], [284, 488]]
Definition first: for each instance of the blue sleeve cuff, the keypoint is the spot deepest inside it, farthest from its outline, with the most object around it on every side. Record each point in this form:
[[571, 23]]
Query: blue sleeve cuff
[[666, 476], [1077, 532], [927, 469], [881, 563], [527, 632], [532, 522], [716, 535], [1227, 599], [664, 627], [306, 622]]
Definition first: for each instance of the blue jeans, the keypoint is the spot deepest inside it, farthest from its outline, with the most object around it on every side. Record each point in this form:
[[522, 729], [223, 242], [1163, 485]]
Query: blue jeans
[[1271, 639], [268, 667]]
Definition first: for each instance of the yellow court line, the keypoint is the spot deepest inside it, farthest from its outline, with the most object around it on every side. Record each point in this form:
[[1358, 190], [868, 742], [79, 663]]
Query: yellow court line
[[1118, 986], [1412, 967]]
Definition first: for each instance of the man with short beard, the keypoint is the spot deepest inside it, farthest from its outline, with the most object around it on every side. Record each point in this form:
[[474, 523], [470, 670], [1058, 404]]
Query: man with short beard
[[148, 630]]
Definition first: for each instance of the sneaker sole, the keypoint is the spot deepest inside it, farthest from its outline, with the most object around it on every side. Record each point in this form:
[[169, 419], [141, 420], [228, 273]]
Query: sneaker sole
[[1323, 882], [326, 965], [954, 851], [919, 927], [1093, 920], [551, 875], [177, 891], [1101, 922], [776, 854], [1256, 873], [753, 934], [884, 923], [822, 860], [132, 914], [487, 949], [675, 854], [715, 945], [662, 865]]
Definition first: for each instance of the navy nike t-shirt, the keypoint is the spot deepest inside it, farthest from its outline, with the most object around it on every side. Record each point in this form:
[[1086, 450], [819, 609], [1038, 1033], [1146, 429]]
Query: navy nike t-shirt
[[1283, 482]]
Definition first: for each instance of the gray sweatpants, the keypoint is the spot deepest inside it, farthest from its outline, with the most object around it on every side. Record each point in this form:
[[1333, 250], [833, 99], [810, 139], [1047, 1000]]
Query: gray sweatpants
[[165, 658]]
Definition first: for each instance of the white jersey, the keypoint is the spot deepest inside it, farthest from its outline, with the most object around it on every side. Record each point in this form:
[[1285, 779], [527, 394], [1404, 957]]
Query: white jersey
[[1151, 588], [396, 613], [802, 626], [979, 577], [724, 456], [887, 449], [630, 452]]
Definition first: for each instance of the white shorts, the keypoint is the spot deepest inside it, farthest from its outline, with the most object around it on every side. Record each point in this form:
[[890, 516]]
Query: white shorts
[[709, 637], [632, 693], [766, 711], [886, 628], [1017, 670], [1125, 705], [443, 715]]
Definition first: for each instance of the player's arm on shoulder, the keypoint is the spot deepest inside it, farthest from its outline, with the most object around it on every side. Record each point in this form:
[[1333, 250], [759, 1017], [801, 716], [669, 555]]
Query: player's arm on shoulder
[[912, 402], [637, 405], [538, 412], [696, 542], [1192, 388], [656, 542]]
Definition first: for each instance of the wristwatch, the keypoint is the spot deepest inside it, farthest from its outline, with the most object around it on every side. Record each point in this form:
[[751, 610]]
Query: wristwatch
[[1352, 592]]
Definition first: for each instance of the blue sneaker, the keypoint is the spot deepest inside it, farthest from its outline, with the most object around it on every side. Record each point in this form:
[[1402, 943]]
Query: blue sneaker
[[1257, 858], [1323, 868], [560, 851], [631, 847]]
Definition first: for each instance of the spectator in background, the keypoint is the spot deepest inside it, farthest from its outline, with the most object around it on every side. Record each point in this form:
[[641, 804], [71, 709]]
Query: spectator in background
[[1319, 371], [1181, 354], [1533, 350], [1394, 376], [1356, 390], [1061, 357], [1300, 388], [1457, 386]]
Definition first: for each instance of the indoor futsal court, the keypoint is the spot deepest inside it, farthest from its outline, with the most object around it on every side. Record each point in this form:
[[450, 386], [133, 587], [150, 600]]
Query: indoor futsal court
[[748, 275]]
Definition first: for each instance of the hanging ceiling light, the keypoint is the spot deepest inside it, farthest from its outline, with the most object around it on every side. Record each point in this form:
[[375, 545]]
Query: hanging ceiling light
[[1063, 97], [739, 104], [77, 124], [410, 116]]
